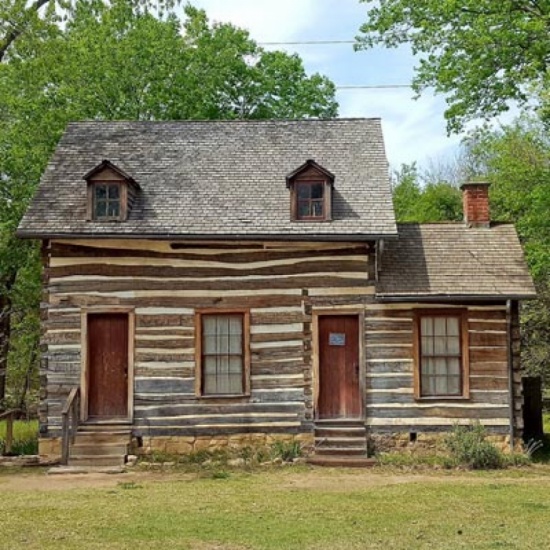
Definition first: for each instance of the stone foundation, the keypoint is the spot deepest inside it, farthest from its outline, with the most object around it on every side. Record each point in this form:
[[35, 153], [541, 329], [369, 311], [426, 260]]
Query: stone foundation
[[178, 445], [428, 442], [49, 448]]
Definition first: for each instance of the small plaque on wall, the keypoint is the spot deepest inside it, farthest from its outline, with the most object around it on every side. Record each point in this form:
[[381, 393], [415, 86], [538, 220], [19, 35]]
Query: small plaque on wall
[[336, 339]]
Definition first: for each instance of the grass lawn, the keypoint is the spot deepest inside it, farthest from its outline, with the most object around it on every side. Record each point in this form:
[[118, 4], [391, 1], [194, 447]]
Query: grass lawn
[[288, 508]]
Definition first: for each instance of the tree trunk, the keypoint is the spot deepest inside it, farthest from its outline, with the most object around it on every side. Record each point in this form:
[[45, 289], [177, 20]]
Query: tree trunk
[[5, 328]]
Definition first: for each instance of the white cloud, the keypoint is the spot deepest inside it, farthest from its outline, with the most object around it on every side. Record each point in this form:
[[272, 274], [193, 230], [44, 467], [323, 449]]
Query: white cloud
[[266, 20], [413, 130]]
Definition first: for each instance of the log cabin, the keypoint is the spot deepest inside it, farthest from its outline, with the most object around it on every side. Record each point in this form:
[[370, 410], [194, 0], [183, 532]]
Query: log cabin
[[226, 283]]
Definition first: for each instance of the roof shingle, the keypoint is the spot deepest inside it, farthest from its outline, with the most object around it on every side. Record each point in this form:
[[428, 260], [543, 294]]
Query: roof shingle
[[453, 260], [218, 178]]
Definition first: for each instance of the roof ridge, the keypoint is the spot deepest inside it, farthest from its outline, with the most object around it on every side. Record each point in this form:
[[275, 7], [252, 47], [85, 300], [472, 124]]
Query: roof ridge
[[227, 121]]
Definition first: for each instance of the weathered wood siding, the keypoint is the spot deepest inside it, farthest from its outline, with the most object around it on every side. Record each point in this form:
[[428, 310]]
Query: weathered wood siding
[[282, 284], [391, 406], [165, 284]]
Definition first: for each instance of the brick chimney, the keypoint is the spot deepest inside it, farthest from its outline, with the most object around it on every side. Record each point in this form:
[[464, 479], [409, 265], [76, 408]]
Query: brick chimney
[[475, 201]]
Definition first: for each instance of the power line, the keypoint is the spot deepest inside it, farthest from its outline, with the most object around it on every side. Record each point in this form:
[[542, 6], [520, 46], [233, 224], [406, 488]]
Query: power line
[[307, 43], [372, 87]]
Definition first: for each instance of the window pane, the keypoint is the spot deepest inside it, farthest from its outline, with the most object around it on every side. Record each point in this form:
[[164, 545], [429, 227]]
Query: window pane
[[427, 326], [440, 326], [114, 191], [453, 326], [100, 191], [100, 209], [454, 366], [454, 385], [303, 209], [303, 190], [427, 345], [440, 345], [113, 209], [317, 209], [317, 190], [453, 345]]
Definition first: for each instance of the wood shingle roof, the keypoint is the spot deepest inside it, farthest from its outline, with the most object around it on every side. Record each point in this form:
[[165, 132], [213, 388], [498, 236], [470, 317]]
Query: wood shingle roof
[[218, 178], [451, 260]]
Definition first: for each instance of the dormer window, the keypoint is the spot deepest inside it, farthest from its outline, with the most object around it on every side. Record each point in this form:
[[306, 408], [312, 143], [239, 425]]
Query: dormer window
[[107, 201], [310, 193], [311, 200], [111, 193]]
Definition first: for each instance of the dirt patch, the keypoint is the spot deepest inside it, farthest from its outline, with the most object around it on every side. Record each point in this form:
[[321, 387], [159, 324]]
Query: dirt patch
[[337, 480], [41, 481]]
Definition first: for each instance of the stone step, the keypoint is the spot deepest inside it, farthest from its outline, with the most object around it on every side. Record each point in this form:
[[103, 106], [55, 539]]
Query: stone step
[[101, 439], [340, 422], [336, 461], [97, 460], [340, 441], [341, 451], [98, 450], [338, 431]]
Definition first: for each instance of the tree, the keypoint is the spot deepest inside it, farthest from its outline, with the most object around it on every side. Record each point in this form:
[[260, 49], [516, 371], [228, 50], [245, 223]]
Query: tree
[[110, 61], [480, 53], [20, 17], [516, 160], [416, 198]]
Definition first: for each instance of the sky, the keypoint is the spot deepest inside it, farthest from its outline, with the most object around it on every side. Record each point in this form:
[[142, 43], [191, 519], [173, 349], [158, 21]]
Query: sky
[[414, 130]]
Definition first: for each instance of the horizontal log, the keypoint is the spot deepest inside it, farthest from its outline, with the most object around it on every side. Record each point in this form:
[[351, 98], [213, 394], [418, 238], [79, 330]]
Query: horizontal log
[[489, 382], [164, 385], [389, 382], [164, 320], [167, 269], [383, 324], [188, 253], [202, 407], [442, 410], [396, 337], [393, 352], [287, 428], [491, 339], [393, 367], [483, 355]]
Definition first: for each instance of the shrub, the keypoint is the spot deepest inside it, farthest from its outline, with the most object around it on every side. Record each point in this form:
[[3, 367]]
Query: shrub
[[286, 450], [469, 447]]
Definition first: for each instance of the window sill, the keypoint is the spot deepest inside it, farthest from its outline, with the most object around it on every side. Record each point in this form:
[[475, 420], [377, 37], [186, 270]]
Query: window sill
[[443, 398], [225, 396]]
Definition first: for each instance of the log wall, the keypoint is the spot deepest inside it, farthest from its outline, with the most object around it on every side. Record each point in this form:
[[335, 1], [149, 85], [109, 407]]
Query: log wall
[[165, 283], [390, 402], [282, 284]]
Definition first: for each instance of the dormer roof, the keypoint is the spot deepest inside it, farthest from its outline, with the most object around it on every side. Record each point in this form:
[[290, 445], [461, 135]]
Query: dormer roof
[[308, 164], [108, 165]]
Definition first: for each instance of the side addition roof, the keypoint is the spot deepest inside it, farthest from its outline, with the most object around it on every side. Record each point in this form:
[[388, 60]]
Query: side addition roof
[[205, 179], [454, 261]]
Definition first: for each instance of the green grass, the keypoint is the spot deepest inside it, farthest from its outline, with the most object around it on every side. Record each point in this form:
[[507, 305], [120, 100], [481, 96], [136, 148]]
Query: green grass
[[286, 509], [25, 437]]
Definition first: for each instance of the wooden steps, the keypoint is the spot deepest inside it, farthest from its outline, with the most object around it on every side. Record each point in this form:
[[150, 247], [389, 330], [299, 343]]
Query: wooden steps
[[340, 442], [100, 445]]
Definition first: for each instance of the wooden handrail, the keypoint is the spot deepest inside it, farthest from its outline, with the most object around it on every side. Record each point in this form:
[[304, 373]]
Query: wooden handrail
[[9, 416], [70, 418]]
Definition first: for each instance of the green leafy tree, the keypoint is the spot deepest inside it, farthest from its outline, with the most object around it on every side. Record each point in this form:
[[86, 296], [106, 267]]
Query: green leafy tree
[[516, 160], [479, 53], [417, 199], [111, 61]]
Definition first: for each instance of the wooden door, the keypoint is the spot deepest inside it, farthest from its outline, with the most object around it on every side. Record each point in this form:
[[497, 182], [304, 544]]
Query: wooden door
[[108, 365], [339, 370]]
